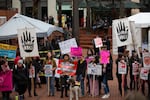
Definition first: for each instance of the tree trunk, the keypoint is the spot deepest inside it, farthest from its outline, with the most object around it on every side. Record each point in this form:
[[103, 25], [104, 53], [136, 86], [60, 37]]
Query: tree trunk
[[35, 8], [59, 2], [122, 10], [75, 28], [88, 16]]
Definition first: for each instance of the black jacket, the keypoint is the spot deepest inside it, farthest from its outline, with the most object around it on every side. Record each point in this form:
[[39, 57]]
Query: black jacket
[[81, 68]]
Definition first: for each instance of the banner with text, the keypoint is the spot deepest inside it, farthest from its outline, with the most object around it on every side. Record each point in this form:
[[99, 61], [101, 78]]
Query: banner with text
[[104, 56], [122, 67], [76, 51]]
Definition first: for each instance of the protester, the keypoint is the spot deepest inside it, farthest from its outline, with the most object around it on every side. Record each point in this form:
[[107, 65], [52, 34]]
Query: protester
[[94, 86], [64, 76], [20, 78], [89, 54], [134, 58], [105, 79], [50, 61], [32, 76], [80, 72], [4, 68], [121, 58], [38, 67]]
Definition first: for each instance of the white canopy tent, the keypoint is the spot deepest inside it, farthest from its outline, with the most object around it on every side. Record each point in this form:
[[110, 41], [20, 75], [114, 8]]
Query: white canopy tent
[[18, 21], [137, 23], [140, 20]]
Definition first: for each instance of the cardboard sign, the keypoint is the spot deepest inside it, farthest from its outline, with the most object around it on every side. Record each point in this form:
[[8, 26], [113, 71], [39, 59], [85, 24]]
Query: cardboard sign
[[66, 45], [104, 56], [122, 67], [32, 72], [98, 42], [48, 70], [94, 69], [146, 59], [76, 51], [6, 81], [144, 73], [135, 69]]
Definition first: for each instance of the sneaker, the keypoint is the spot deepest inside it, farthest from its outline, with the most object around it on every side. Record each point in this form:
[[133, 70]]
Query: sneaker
[[108, 95], [104, 96]]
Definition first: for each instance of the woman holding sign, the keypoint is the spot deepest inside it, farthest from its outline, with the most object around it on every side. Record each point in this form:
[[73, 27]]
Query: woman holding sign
[[121, 72], [49, 67], [4, 69]]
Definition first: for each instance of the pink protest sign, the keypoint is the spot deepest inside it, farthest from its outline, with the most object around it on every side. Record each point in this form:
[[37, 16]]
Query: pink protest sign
[[76, 51], [6, 81], [104, 56], [98, 42]]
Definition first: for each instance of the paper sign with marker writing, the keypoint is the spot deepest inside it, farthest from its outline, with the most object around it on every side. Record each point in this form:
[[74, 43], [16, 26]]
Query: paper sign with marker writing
[[122, 67], [144, 73], [98, 42]]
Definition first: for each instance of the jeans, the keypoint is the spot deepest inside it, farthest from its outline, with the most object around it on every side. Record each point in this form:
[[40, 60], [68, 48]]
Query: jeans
[[105, 84], [81, 80], [52, 86]]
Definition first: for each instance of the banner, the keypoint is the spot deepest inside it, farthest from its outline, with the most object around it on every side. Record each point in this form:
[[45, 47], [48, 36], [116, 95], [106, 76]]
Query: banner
[[65, 46], [76, 51], [122, 67], [146, 59], [8, 50], [121, 29], [104, 56], [28, 42], [6, 81], [48, 70], [94, 69], [98, 42], [144, 73], [135, 68]]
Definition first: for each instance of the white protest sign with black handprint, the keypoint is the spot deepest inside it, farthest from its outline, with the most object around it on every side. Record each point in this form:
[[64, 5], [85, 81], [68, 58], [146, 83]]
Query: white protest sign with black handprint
[[122, 32], [27, 42]]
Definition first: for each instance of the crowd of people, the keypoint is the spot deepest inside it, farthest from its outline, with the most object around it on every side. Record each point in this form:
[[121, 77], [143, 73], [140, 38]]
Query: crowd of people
[[90, 84]]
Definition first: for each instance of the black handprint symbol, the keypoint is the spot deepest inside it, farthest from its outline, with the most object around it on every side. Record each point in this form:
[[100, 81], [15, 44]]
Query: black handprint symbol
[[27, 42], [122, 31]]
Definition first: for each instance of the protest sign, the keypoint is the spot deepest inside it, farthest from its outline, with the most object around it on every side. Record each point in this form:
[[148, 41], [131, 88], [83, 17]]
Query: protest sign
[[94, 69], [28, 42], [135, 69], [122, 67], [144, 73], [48, 70], [122, 32], [104, 56], [6, 81], [98, 42], [65, 46], [146, 59], [67, 68], [76, 51], [32, 72]]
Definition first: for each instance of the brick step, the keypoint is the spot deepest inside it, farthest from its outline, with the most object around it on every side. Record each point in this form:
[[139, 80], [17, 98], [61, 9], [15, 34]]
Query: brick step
[[86, 46]]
